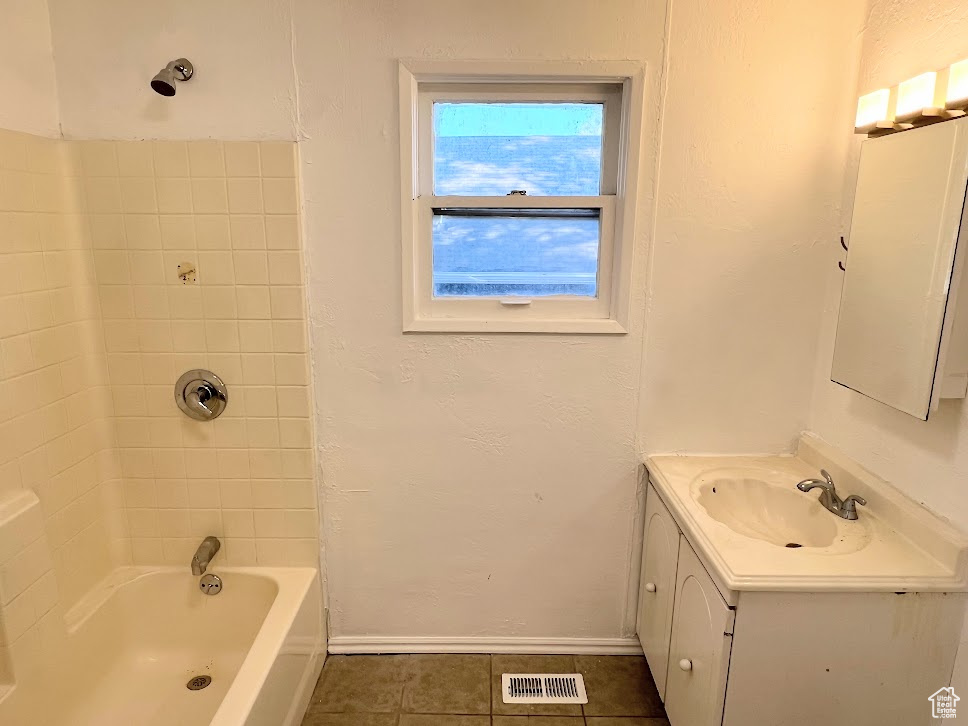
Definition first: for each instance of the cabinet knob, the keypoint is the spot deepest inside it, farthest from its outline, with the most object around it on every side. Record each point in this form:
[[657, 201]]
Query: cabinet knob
[[685, 664], [650, 587]]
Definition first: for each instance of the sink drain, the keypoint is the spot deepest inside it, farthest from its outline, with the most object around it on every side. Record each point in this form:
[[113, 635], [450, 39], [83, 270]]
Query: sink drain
[[197, 683], [793, 545]]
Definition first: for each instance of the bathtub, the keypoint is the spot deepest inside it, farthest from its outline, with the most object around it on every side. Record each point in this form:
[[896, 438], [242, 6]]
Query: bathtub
[[131, 646]]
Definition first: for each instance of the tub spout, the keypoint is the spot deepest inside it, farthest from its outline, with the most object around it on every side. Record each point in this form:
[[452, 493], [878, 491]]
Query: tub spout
[[204, 554]]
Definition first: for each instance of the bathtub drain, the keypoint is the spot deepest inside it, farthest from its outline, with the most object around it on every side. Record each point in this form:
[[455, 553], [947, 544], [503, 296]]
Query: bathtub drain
[[197, 683]]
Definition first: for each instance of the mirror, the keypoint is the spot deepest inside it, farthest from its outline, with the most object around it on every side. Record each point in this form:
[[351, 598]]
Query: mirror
[[900, 330]]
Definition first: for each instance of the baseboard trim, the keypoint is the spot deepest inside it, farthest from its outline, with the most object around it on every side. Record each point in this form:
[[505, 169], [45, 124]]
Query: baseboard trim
[[346, 645]]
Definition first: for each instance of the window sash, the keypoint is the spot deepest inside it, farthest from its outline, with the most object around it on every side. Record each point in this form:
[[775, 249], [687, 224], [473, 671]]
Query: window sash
[[607, 94], [536, 308]]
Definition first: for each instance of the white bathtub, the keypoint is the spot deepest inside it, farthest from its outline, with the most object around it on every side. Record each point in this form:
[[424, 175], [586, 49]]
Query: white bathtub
[[132, 644]]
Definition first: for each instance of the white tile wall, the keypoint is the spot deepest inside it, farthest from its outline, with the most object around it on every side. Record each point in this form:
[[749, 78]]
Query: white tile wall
[[97, 465], [28, 587], [31, 600], [55, 433], [229, 209], [95, 327]]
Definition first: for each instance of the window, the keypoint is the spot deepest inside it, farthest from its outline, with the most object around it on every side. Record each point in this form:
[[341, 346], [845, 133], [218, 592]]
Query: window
[[513, 211]]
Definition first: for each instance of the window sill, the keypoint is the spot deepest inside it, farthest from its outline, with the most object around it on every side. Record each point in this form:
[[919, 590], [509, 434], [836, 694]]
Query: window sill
[[601, 326]]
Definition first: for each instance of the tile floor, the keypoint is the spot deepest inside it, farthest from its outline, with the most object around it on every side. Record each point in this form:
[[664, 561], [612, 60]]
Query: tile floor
[[465, 690]]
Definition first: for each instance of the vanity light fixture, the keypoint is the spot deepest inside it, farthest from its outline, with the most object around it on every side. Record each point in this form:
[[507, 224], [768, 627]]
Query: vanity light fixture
[[956, 93], [924, 99], [873, 111], [915, 96]]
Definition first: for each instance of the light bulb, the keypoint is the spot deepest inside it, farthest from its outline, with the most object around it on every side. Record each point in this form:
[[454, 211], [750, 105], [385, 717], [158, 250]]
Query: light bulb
[[957, 94], [871, 108], [914, 95]]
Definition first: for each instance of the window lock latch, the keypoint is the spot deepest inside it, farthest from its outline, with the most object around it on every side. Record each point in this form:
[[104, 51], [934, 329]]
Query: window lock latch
[[517, 192]]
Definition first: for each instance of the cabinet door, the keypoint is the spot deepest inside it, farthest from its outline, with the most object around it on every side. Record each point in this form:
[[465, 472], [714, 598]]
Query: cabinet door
[[657, 586], [701, 642]]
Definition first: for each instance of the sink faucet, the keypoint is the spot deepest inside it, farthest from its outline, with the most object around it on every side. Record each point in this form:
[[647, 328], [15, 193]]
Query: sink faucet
[[844, 508], [204, 554]]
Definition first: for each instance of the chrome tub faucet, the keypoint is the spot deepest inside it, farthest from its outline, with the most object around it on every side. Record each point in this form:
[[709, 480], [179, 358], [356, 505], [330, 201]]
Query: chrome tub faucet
[[204, 554], [843, 508]]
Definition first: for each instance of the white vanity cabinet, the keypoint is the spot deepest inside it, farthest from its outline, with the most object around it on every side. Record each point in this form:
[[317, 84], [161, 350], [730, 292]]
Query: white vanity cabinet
[[738, 657], [702, 631], [684, 625], [657, 586]]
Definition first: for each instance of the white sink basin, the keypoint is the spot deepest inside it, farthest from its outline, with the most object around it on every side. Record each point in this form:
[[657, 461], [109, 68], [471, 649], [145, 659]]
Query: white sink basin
[[755, 508], [739, 513]]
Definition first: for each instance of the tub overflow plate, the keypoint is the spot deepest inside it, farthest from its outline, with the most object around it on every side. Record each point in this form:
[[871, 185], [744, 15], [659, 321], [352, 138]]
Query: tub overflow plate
[[210, 584]]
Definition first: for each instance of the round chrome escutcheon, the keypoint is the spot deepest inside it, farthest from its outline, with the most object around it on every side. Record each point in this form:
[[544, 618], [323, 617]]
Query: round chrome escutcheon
[[201, 395], [210, 584]]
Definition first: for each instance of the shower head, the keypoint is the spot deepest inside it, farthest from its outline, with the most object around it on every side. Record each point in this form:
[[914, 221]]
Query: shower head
[[178, 70]]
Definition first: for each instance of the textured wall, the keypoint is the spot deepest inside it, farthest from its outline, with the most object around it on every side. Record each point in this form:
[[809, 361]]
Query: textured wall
[[27, 69], [475, 485], [231, 210], [748, 199], [108, 51]]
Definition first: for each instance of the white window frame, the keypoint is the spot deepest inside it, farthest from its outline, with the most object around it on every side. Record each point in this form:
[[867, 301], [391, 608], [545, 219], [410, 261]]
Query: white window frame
[[619, 85]]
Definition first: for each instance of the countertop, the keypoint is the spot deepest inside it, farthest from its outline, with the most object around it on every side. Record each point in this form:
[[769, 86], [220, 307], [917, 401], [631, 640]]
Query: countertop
[[894, 545]]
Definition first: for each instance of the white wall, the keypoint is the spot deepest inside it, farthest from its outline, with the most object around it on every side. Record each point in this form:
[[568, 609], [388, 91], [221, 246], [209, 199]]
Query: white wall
[[749, 186], [448, 459], [27, 86], [107, 52], [475, 485], [926, 459]]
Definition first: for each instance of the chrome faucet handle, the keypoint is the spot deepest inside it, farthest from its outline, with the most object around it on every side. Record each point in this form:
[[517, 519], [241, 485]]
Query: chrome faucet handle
[[196, 400], [829, 479], [849, 506]]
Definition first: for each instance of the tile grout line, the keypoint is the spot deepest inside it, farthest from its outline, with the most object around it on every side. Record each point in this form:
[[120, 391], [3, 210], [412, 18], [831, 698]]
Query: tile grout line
[[490, 689], [407, 670], [574, 663], [403, 688]]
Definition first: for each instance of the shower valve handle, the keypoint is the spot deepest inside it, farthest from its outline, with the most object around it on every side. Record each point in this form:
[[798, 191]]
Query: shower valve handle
[[196, 400], [201, 395]]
